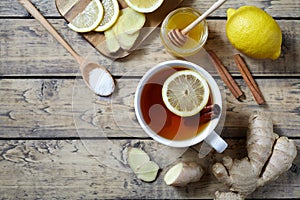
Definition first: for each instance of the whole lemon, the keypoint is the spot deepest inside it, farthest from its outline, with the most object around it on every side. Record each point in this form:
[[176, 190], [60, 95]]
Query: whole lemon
[[254, 32]]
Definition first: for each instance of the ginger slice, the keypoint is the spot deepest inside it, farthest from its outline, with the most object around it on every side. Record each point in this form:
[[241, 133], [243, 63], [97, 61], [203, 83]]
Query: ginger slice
[[127, 41], [140, 163], [136, 158], [127, 27], [148, 171], [131, 21], [125, 31], [112, 43]]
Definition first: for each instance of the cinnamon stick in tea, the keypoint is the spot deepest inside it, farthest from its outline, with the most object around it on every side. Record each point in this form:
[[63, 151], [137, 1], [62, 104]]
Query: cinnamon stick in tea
[[210, 112], [225, 76], [249, 79]]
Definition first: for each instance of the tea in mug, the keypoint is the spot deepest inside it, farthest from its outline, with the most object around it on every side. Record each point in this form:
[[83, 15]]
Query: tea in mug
[[158, 117]]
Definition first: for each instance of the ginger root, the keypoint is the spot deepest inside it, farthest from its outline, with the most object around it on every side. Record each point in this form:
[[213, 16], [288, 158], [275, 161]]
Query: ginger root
[[268, 157], [183, 173], [228, 195]]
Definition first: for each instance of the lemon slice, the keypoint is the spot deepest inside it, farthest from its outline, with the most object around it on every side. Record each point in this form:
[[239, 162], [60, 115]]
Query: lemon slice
[[185, 93], [111, 14], [89, 18], [144, 6]]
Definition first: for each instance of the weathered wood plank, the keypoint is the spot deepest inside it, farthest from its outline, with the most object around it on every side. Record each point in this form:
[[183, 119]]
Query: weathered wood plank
[[31, 50], [280, 8], [58, 169], [39, 106], [28, 49], [54, 108], [39, 111]]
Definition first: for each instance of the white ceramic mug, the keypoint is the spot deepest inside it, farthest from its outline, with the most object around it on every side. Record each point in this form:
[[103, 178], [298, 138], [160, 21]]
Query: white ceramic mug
[[207, 134]]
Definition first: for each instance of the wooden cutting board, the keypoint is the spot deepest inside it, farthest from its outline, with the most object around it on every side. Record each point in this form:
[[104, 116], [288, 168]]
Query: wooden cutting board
[[69, 9]]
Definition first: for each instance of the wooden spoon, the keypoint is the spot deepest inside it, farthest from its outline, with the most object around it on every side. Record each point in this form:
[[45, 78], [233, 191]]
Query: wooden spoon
[[95, 76], [179, 37]]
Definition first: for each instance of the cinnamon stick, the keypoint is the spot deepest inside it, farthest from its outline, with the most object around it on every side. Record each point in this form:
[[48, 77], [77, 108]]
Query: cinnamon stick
[[258, 96], [210, 112], [225, 76]]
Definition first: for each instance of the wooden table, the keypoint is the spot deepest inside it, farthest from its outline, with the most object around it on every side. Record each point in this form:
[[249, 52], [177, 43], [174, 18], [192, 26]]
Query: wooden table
[[59, 140]]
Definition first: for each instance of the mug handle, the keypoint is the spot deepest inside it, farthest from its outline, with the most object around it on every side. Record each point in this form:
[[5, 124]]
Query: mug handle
[[215, 141]]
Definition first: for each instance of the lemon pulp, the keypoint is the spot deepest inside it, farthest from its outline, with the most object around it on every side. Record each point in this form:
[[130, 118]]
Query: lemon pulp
[[185, 93], [111, 14]]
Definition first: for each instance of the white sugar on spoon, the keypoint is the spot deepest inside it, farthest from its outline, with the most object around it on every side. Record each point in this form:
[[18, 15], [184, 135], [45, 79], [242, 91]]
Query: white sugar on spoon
[[100, 83]]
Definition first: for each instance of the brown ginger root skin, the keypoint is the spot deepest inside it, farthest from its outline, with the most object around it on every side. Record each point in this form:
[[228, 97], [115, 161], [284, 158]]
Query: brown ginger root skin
[[284, 152], [228, 195], [268, 157]]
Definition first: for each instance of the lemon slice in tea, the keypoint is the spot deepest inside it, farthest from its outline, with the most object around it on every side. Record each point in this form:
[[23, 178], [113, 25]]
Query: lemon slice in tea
[[185, 93], [89, 18], [111, 14]]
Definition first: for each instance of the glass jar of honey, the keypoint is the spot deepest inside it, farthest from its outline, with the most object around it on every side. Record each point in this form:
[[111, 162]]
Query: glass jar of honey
[[179, 19]]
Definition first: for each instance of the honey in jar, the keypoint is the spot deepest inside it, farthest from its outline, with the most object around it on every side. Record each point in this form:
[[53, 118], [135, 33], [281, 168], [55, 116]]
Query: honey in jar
[[179, 19]]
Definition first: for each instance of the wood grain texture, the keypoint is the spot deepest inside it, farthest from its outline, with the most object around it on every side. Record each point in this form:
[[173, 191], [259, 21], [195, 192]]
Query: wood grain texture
[[280, 8], [60, 141], [50, 169], [60, 108], [28, 49]]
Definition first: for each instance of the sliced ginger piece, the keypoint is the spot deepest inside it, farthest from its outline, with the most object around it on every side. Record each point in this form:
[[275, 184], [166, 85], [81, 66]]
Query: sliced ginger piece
[[140, 163], [148, 171], [112, 43], [127, 41], [127, 27], [136, 158], [126, 30], [183, 173], [131, 21]]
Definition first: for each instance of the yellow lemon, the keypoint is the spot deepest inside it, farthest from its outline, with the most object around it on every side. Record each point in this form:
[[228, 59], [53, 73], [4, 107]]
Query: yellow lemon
[[185, 93], [254, 32]]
